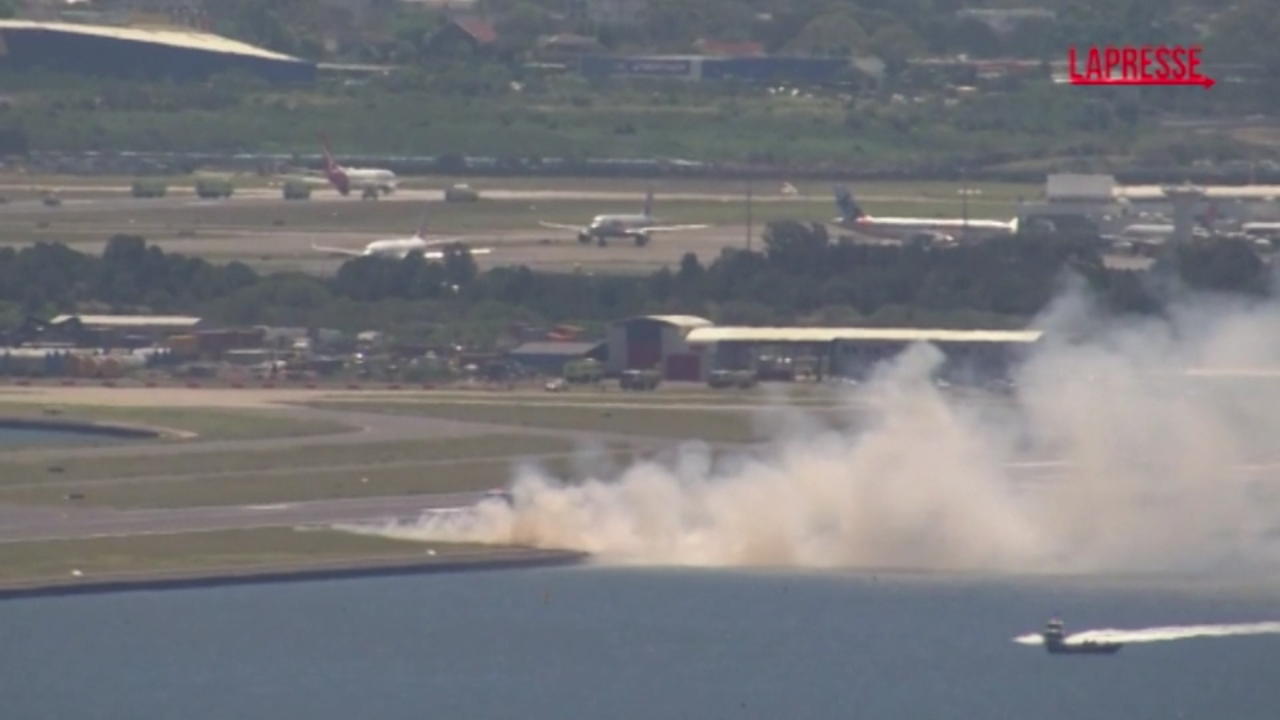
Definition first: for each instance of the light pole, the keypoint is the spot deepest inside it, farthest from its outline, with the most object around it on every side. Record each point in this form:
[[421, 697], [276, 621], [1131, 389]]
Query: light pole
[[965, 192]]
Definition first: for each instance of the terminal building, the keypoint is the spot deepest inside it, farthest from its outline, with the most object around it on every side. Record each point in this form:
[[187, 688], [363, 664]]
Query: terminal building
[[1099, 202], [687, 348], [127, 52]]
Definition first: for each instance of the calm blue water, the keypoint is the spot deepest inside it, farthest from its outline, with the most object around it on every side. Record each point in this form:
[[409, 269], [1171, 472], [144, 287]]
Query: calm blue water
[[14, 437], [626, 645]]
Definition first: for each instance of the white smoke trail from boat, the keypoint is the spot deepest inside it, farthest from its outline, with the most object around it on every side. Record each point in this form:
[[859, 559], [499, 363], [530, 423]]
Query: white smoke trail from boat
[[1159, 634]]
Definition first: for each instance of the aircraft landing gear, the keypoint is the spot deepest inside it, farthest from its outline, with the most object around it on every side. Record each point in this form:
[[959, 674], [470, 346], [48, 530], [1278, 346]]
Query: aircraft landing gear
[[642, 240], [584, 238]]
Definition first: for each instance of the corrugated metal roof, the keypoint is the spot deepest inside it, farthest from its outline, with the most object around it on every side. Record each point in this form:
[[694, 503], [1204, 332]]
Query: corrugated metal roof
[[821, 335], [574, 349], [191, 40], [131, 320], [1071, 185], [680, 321]]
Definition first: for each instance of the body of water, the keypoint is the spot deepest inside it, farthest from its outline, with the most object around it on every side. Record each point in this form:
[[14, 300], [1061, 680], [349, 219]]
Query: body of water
[[630, 645], [13, 437]]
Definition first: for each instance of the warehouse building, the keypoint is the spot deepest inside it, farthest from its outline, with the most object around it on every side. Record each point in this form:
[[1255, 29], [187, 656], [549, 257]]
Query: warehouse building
[[550, 358], [657, 342], [785, 353], [118, 331], [101, 50]]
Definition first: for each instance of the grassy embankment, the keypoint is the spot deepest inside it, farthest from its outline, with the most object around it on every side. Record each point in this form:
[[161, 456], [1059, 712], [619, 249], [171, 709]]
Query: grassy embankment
[[732, 421], [180, 423], [288, 474], [139, 477], [563, 117], [199, 554]]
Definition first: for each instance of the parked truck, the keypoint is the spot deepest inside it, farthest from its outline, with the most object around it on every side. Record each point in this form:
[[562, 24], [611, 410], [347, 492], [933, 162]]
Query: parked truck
[[742, 379], [581, 372], [639, 379]]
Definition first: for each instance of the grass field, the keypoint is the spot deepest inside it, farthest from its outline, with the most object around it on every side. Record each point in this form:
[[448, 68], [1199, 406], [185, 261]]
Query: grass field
[[711, 425], [22, 471], [670, 395], [205, 423], [203, 552], [288, 475], [298, 485]]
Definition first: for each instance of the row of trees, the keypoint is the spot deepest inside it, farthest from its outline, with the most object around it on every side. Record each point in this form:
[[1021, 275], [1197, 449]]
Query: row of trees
[[801, 276], [1242, 32], [472, 109]]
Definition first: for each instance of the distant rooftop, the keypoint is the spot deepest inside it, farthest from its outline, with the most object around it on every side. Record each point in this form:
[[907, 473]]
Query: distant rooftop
[[175, 37], [129, 321], [680, 321], [706, 335], [566, 349]]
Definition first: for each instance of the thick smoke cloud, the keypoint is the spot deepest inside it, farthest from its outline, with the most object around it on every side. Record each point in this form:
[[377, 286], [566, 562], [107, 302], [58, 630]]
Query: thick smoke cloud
[[1111, 458]]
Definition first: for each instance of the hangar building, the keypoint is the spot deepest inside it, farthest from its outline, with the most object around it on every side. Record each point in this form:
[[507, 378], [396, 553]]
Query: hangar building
[[657, 342], [550, 358], [99, 50], [851, 352]]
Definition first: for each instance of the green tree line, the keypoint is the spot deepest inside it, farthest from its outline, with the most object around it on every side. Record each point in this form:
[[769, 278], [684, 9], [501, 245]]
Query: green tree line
[[1243, 31], [801, 276]]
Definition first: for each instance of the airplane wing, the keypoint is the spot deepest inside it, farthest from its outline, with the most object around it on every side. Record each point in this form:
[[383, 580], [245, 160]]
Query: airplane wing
[[347, 252], [559, 226], [669, 228]]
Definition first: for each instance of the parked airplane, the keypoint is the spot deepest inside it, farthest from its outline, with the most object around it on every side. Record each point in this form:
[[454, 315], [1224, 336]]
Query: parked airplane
[[636, 227], [941, 230], [401, 247], [370, 181]]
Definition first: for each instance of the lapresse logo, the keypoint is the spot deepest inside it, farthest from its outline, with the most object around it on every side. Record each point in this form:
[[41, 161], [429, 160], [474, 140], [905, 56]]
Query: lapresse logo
[[1137, 65]]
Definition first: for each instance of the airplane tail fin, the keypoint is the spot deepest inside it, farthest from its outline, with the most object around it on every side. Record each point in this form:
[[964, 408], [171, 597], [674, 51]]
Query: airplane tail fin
[[329, 163], [332, 170], [648, 203], [849, 209]]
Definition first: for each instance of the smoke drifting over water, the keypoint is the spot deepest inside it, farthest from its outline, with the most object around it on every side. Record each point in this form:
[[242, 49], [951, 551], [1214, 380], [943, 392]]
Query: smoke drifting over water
[[1149, 474]]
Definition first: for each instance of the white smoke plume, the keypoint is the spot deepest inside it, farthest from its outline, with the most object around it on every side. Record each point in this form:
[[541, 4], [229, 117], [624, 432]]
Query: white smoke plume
[[1110, 458]]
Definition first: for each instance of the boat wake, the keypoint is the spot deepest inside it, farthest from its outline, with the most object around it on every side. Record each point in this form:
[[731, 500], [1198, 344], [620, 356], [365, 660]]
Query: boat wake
[[1158, 634]]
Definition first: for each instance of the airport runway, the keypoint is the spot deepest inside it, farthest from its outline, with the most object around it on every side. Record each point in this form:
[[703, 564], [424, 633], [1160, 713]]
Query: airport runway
[[181, 195], [44, 523], [278, 250]]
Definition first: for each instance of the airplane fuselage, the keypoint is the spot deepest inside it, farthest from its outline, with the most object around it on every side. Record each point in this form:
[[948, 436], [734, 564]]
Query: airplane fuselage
[[401, 247], [909, 228], [383, 180], [618, 225]]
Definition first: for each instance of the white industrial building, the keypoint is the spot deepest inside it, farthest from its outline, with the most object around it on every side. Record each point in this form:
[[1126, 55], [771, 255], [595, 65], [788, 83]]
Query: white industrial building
[[1070, 198]]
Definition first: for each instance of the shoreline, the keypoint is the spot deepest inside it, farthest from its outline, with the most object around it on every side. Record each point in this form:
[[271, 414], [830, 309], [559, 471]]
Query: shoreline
[[506, 558], [82, 427]]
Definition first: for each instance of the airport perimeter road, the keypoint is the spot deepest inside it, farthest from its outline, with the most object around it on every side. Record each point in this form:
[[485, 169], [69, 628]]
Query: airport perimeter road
[[18, 524]]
